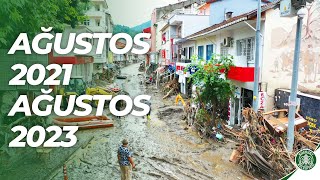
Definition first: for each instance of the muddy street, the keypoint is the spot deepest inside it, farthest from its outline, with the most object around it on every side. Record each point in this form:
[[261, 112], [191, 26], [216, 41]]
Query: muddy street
[[162, 148]]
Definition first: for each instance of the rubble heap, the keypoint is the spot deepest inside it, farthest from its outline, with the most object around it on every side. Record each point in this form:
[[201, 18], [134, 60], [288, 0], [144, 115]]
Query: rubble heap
[[263, 153]]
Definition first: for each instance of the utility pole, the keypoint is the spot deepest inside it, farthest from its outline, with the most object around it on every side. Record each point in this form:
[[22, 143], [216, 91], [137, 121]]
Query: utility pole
[[292, 8], [294, 83], [294, 86], [257, 61]]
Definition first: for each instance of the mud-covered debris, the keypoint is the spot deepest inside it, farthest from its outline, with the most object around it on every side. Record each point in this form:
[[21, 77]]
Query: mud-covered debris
[[171, 111]]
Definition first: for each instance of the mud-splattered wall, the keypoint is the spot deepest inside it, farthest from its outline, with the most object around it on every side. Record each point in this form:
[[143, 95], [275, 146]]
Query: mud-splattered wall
[[278, 54]]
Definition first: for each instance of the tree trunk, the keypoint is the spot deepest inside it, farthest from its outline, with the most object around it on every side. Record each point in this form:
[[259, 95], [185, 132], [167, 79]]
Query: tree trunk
[[214, 112]]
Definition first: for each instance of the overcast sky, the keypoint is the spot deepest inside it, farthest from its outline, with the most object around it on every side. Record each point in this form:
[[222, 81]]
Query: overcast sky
[[134, 12]]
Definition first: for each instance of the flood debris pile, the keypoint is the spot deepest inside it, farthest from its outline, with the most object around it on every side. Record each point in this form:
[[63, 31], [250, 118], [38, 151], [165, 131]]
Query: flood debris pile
[[170, 112], [171, 88], [109, 73], [263, 153]]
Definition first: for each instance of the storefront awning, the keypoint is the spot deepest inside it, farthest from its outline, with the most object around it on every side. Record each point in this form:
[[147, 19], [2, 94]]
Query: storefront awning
[[242, 74], [70, 59]]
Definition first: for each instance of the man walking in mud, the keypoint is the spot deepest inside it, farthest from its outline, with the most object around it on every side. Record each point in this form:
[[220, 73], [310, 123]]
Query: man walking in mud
[[125, 161]]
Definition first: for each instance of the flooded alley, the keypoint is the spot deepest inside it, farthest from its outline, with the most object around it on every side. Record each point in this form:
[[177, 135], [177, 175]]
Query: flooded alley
[[162, 149]]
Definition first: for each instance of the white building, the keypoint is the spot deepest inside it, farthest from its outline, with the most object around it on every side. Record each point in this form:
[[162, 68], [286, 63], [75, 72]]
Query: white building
[[82, 64], [159, 19], [99, 21]]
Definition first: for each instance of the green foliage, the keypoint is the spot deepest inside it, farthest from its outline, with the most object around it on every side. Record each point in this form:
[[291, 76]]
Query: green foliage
[[142, 26], [214, 87], [201, 116], [124, 29], [17, 16]]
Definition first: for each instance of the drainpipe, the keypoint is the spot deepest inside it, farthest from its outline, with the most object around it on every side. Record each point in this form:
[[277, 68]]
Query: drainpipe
[[257, 61]]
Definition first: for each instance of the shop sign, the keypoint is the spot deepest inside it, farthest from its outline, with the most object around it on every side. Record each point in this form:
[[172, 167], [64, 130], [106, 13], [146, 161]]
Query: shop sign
[[163, 53], [262, 100], [180, 67], [286, 9]]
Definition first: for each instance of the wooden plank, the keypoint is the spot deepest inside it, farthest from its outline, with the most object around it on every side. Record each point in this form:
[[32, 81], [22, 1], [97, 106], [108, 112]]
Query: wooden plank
[[305, 141]]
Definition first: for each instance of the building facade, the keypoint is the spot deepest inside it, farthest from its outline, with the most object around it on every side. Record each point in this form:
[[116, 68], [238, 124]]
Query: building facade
[[99, 21], [82, 65], [159, 18], [235, 35]]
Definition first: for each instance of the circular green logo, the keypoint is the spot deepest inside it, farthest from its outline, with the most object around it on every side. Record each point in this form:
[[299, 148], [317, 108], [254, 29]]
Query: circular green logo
[[306, 159]]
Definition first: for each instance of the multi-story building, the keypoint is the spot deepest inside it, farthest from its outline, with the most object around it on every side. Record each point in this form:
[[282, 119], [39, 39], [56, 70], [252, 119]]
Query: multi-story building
[[99, 21], [231, 33], [82, 64], [159, 19], [234, 34]]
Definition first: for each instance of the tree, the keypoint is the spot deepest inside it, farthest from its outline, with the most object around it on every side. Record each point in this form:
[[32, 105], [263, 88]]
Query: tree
[[214, 88], [124, 29], [29, 16]]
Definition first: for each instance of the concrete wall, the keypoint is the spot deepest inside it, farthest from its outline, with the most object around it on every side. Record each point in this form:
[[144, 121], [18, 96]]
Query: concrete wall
[[219, 8], [279, 49], [204, 10], [190, 23], [193, 23], [165, 46]]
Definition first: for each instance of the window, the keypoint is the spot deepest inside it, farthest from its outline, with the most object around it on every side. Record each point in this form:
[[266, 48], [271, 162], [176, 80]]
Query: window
[[98, 22], [223, 50], [185, 52], [164, 38], [91, 41], [246, 47], [209, 53], [98, 7], [86, 22], [190, 52], [200, 52]]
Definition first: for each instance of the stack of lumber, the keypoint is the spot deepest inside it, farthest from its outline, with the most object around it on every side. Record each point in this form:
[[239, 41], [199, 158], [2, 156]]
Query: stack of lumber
[[263, 154]]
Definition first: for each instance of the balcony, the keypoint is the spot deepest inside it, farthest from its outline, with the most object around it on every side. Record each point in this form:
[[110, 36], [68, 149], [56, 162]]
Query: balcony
[[242, 74], [98, 28], [176, 36], [96, 14], [184, 11]]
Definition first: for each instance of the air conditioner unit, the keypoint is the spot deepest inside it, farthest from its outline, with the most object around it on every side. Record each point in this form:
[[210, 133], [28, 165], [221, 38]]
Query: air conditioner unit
[[227, 41]]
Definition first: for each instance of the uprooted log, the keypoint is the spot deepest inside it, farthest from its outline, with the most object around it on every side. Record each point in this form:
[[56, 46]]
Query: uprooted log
[[261, 152], [168, 94], [172, 87]]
